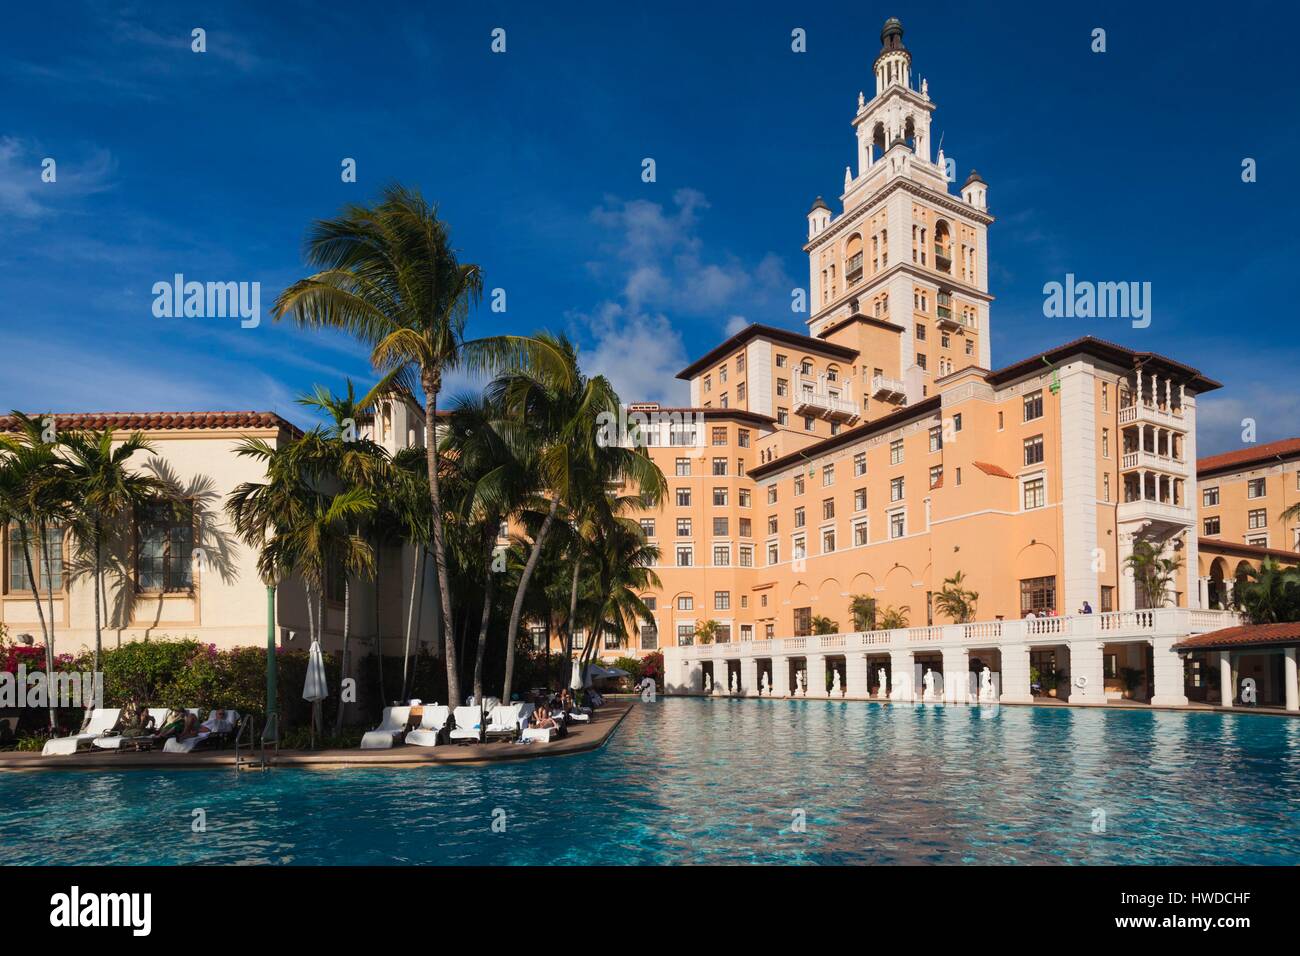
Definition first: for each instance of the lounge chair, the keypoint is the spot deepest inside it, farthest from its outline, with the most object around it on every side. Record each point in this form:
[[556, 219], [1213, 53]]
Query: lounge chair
[[541, 735], [390, 729], [503, 722], [115, 741], [100, 722], [433, 727], [469, 725], [205, 738]]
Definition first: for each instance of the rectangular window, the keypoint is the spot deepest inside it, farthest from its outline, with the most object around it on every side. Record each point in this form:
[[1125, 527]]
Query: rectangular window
[[898, 524], [859, 464], [746, 555], [18, 578], [769, 630], [683, 467], [537, 634], [920, 332], [648, 527], [860, 499], [1210, 497], [683, 497], [798, 485], [1257, 519], [722, 600], [1037, 595], [740, 467], [719, 497], [1033, 406], [896, 489], [802, 621], [1107, 599], [742, 437], [649, 637], [782, 388], [1211, 527], [1105, 443], [1034, 451], [798, 517], [1035, 495], [1255, 488], [780, 361], [896, 451], [828, 541], [800, 550], [771, 524], [828, 476], [809, 423], [720, 527], [956, 422], [859, 533], [164, 545], [685, 635], [684, 556], [828, 509], [721, 555], [773, 553], [771, 494], [719, 435], [742, 496], [936, 476], [746, 528], [936, 438], [783, 416], [683, 527], [1105, 396], [719, 466], [686, 603]]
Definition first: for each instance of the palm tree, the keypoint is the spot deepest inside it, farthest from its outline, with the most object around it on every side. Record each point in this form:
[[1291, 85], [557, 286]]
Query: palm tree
[[863, 609], [956, 600], [557, 419], [103, 488], [1272, 594], [624, 563], [706, 631], [389, 276], [37, 500], [824, 625], [892, 618], [1152, 573]]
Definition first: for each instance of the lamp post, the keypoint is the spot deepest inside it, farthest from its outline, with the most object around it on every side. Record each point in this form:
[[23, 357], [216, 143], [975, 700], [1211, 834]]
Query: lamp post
[[270, 661]]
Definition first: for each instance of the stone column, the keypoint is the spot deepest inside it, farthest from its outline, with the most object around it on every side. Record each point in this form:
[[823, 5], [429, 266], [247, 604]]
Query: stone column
[[749, 677], [956, 675], [1086, 660], [781, 677], [1227, 689], [694, 677], [817, 676], [1168, 680], [1015, 674], [902, 676], [1289, 679], [855, 677]]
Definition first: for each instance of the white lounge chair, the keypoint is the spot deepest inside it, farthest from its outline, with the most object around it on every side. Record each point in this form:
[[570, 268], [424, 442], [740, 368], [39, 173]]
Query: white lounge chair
[[390, 729], [469, 724], [100, 722], [541, 735], [525, 715], [174, 746], [504, 721], [432, 724], [114, 742]]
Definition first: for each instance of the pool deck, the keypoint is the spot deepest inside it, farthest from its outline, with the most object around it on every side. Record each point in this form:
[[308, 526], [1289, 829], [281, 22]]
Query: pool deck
[[581, 738]]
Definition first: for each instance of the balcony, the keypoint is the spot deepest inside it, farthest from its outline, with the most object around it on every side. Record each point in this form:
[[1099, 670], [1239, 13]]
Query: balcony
[[942, 258], [947, 321], [1152, 461], [820, 403], [1151, 414], [888, 389], [1164, 513]]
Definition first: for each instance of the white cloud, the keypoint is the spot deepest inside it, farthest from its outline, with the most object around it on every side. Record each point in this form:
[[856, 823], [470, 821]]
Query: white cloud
[[1220, 417], [640, 353], [24, 194]]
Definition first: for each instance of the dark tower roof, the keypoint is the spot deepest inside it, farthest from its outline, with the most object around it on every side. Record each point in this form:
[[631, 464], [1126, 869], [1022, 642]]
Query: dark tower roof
[[974, 177], [891, 37], [819, 203]]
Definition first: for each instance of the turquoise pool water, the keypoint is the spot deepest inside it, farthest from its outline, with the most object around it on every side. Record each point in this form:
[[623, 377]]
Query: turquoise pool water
[[701, 781]]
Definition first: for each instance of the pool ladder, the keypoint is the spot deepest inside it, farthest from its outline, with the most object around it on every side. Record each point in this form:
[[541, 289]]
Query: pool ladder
[[248, 755]]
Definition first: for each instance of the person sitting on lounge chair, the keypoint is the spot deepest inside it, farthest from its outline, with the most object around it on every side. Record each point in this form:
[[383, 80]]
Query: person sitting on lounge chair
[[174, 724], [543, 720], [191, 728], [218, 723], [134, 722]]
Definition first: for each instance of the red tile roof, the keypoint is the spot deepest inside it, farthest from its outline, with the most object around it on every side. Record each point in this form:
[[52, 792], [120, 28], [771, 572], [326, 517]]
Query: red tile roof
[[1248, 456], [1241, 549], [152, 421], [1244, 635], [994, 470]]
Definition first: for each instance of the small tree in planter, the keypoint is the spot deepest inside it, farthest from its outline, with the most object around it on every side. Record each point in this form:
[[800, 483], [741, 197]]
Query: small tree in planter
[[1131, 677], [706, 631]]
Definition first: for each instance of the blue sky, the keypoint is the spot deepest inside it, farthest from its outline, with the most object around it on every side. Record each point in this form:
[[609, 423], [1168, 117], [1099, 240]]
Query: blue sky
[[1117, 166]]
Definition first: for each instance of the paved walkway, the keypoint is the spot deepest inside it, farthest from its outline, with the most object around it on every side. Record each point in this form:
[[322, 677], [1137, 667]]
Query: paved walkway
[[581, 738]]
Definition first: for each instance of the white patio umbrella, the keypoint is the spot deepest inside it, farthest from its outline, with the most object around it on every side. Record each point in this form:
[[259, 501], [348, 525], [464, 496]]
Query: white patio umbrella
[[575, 682], [315, 688]]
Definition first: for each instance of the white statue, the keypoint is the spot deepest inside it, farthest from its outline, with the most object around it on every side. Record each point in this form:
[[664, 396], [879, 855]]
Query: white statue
[[708, 683], [835, 684], [862, 101], [848, 178], [925, 88], [798, 683], [986, 684], [883, 688], [928, 681], [766, 687], [734, 688]]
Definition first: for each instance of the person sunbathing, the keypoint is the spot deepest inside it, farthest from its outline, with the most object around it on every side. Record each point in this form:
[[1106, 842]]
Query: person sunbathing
[[218, 723], [135, 722], [542, 720], [174, 724], [191, 728]]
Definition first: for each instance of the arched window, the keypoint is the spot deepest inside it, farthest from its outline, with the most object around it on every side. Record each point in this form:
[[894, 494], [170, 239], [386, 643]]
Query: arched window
[[943, 246], [853, 259], [878, 138]]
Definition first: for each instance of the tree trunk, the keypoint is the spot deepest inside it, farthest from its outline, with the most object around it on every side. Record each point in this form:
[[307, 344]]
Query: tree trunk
[[488, 584], [410, 617], [516, 611], [379, 641], [99, 638], [40, 611], [573, 614], [343, 656], [432, 383]]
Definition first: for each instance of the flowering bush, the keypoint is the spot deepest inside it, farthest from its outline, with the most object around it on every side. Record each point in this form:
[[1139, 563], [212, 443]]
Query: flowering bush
[[652, 666]]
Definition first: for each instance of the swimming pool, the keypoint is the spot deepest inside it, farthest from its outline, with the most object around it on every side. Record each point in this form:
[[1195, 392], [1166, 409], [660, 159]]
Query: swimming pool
[[722, 781]]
